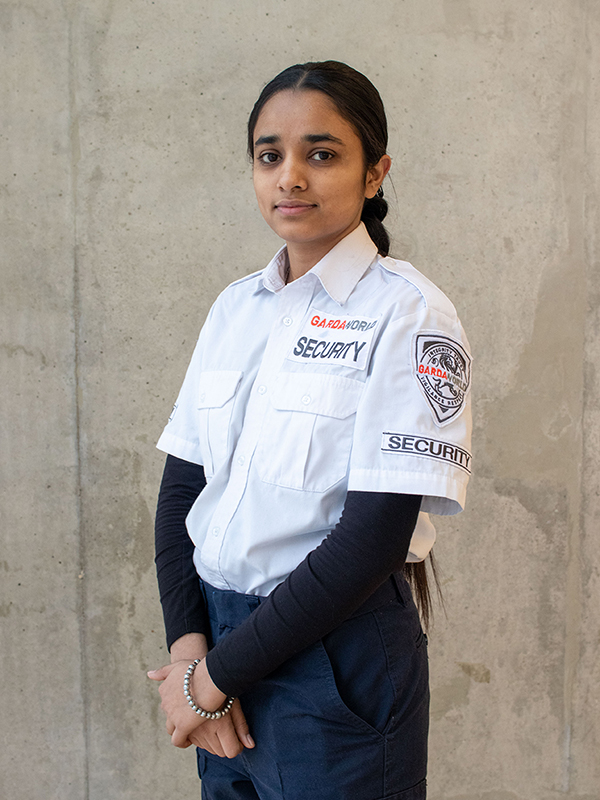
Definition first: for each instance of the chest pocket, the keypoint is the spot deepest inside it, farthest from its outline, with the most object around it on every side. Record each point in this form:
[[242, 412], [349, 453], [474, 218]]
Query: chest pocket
[[216, 397], [307, 433]]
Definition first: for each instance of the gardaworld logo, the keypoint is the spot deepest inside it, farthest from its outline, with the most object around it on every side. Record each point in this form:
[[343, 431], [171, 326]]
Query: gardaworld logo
[[343, 324], [443, 370], [335, 340], [405, 444]]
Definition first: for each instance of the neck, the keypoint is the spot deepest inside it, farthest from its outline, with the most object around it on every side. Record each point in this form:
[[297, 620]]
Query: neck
[[301, 260], [302, 256]]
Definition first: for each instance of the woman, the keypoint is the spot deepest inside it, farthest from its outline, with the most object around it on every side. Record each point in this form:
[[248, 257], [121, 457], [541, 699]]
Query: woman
[[324, 413]]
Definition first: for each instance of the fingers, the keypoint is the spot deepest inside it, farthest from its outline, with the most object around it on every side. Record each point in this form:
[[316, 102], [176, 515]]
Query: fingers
[[207, 740], [218, 737], [179, 738], [161, 673], [201, 741], [240, 725], [226, 737], [230, 743]]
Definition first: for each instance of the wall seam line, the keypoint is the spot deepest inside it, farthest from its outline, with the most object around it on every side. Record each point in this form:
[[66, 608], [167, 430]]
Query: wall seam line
[[574, 566], [76, 294]]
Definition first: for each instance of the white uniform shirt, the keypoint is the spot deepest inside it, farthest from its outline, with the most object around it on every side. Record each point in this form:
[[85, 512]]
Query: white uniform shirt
[[353, 377]]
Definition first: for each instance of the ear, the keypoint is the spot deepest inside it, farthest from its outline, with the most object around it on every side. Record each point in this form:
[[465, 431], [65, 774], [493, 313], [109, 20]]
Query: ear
[[375, 176]]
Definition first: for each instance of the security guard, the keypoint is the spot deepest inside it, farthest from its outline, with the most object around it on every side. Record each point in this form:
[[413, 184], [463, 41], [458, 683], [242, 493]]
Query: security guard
[[324, 415]]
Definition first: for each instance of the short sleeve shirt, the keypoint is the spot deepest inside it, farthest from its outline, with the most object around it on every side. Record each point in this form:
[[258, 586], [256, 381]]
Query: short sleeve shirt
[[354, 377]]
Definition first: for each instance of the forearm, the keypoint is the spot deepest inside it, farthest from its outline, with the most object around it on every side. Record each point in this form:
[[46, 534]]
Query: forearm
[[189, 647], [370, 542], [180, 595]]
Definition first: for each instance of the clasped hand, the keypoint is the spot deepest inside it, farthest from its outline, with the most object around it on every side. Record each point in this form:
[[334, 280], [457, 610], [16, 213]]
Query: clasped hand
[[225, 737]]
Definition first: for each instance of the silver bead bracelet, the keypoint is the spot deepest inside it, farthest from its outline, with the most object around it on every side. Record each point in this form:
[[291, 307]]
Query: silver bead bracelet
[[200, 711]]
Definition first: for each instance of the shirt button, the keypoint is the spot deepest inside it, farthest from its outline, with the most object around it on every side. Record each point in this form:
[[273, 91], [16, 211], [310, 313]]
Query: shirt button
[[216, 531], [262, 389], [202, 397], [306, 399], [287, 321], [241, 460]]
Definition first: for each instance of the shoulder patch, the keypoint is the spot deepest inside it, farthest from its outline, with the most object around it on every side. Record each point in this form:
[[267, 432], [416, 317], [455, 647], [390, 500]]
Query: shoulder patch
[[442, 368]]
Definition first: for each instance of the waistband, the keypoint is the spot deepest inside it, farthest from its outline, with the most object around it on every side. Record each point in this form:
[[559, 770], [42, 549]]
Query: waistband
[[231, 608]]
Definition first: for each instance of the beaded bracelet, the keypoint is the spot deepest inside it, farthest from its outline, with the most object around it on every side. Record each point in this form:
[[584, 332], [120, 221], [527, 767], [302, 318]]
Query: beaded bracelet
[[200, 711]]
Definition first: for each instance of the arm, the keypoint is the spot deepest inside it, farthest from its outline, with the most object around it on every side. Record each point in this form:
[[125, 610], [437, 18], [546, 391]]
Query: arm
[[183, 608], [179, 587], [369, 543]]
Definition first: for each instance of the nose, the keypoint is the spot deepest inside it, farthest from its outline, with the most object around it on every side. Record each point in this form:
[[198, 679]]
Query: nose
[[291, 175]]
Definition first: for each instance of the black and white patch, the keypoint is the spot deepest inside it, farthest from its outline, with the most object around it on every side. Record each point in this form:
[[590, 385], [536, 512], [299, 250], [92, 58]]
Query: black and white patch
[[442, 368], [410, 445], [327, 339]]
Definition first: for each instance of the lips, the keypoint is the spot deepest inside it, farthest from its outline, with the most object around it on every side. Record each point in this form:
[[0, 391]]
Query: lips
[[293, 207]]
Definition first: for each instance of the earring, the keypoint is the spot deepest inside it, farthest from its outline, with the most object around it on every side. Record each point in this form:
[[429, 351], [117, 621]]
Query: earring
[[379, 192]]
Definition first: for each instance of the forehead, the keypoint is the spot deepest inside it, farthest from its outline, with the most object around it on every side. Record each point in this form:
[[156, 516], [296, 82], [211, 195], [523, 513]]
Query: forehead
[[297, 112]]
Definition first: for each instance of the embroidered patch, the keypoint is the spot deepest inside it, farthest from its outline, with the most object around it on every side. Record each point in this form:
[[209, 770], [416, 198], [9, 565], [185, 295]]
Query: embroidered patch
[[442, 368], [404, 444], [344, 341]]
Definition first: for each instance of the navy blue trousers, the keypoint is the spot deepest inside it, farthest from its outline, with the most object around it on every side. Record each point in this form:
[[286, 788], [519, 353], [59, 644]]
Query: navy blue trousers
[[345, 719]]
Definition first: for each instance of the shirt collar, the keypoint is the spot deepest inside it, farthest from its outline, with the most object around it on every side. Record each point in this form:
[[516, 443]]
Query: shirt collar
[[339, 270], [273, 276]]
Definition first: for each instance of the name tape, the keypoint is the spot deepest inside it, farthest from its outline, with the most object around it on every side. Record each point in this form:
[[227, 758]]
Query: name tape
[[405, 444], [339, 340]]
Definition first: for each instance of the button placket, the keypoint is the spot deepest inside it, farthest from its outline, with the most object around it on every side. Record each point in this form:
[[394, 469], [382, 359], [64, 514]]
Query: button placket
[[277, 347]]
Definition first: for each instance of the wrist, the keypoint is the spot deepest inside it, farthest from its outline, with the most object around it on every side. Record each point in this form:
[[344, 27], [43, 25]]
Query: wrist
[[189, 647], [205, 693]]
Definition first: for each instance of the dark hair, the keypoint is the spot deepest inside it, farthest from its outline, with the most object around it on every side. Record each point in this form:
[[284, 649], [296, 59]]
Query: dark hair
[[359, 103], [416, 575]]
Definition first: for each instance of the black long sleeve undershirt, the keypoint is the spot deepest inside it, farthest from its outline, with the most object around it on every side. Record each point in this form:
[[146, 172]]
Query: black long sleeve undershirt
[[369, 542], [180, 596]]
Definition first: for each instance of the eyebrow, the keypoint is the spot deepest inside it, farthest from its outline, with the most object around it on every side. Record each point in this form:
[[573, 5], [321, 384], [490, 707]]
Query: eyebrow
[[313, 138]]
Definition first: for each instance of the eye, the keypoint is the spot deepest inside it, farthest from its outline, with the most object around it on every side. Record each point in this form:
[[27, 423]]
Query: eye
[[268, 158], [322, 155]]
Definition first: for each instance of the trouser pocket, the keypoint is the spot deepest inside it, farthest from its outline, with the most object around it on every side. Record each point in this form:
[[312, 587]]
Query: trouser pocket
[[379, 665]]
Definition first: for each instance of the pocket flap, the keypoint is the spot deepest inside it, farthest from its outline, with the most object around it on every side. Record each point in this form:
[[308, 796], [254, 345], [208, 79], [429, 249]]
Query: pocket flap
[[329, 395], [216, 388]]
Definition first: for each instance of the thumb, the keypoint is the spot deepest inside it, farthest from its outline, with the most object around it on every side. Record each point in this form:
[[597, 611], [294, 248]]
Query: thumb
[[241, 726], [160, 674]]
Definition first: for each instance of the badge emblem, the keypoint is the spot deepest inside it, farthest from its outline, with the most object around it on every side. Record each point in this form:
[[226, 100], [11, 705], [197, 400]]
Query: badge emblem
[[443, 370]]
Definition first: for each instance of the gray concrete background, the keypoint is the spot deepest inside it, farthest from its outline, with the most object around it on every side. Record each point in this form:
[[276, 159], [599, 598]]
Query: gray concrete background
[[127, 204]]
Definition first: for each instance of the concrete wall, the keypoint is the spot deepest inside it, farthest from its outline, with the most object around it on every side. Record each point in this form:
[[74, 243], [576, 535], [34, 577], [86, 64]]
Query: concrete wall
[[127, 204]]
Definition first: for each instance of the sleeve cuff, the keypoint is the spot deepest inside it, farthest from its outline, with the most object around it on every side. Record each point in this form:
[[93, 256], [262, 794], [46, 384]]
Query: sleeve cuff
[[181, 448], [442, 494]]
